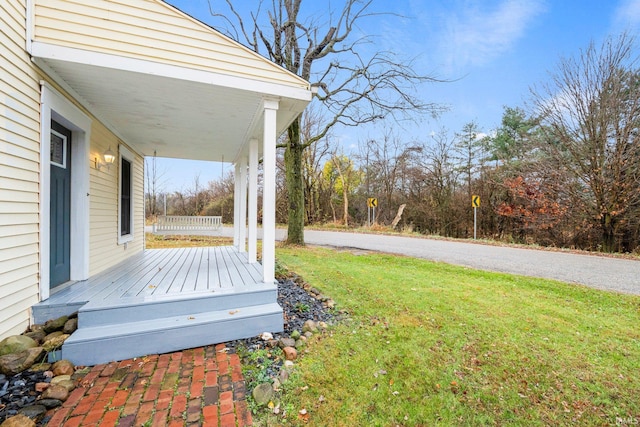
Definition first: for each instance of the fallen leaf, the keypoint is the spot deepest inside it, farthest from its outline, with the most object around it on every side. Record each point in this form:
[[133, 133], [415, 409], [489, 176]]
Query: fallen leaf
[[152, 286], [271, 405], [382, 372], [321, 399], [391, 382], [303, 411], [395, 393], [190, 318], [232, 312]]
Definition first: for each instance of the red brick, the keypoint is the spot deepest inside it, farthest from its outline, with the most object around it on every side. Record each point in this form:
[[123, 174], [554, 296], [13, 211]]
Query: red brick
[[109, 369], [127, 363], [194, 411], [163, 360], [226, 402], [234, 359], [85, 404], [198, 373], [110, 419], [196, 389], [176, 356], [211, 378], [179, 406], [98, 385], [243, 414], [164, 399], [120, 398], [221, 356], [236, 373], [74, 422], [174, 367], [152, 392], [148, 367], [59, 416], [223, 367], [158, 375], [145, 412], [198, 357], [74, 397], [225, 383], [210, 413], [108, 391], [160, 418], [127, 421], [91, 376], [211, 364], [220, 347], [211, 396], [177, 423], [133, 402], [228, 420], [93, 416]]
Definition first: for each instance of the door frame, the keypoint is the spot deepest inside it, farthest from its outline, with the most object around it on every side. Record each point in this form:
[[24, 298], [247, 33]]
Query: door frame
[[54, 105]]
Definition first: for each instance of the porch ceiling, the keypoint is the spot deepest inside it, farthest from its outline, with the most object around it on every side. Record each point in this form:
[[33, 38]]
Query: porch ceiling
[[176, 117]]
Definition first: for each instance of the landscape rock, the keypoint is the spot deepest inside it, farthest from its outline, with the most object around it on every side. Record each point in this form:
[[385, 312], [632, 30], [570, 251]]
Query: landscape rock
[[300, 344], [295, 334], [36, 327], [52, 335], [262, 394], [40, 387], [18, 421], [309, 326], [266, 336], [11, 364], [50, 403], [70, 326], [55, 342], [287, 342], [35, 412], [68, 384], [57, 392], [63, 367], [283, 376], [290, 353], [41, 367], [59, 378], [55, 324], [16, 344], [37, 336]]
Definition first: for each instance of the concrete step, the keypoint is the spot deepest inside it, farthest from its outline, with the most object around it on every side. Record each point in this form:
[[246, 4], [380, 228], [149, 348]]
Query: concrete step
[[125, 340]]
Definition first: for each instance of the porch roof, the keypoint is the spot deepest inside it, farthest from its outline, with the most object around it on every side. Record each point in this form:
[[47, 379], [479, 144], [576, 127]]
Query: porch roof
[[202, 102]]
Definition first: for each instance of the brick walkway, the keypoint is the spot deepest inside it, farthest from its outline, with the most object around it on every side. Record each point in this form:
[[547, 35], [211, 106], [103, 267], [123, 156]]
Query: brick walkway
[[196, 387]]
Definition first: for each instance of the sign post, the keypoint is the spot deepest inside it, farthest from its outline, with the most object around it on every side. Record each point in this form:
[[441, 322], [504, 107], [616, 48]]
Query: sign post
[[475, 202], [372, 202]]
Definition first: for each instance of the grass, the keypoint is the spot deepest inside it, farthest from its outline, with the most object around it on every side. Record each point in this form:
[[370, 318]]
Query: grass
[[434, 344], [159, 241]]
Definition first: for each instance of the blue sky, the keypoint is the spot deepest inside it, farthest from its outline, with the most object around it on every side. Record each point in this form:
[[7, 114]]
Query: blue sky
[[493, 50]]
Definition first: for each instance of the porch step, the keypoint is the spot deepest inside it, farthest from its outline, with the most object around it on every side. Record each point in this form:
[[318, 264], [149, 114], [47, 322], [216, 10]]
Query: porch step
[[119, 341], [136, 309]]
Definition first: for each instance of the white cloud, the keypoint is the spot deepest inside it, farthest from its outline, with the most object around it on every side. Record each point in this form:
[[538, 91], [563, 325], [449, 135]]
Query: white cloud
[[474, 35], [627, 15]]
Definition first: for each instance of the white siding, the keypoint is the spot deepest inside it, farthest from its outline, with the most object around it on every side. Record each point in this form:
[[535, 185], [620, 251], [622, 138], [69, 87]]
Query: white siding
[[19, 172], [153, 31], [104, 248]]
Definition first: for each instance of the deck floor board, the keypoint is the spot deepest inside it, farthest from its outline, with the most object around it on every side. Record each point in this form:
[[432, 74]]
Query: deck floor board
[[164, 273]]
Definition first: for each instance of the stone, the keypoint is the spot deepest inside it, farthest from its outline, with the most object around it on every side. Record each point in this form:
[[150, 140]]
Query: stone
[[16, 344], [273, 343], [11, 364], [35, 412], [40, 387], [41, 367], [330, 304], [63, 367], [322, 325], [36, 327], [309, 326], [50, 403], [287, 342], [52, 335], [68, 384], [290, 353], [37, 336], [70, 326], [266, 336], [55, 324], [295, 335], [308, 334], [262, 394], [57, 379], [300, 343], [55, 342], [288, 364], [18, 421], [57, 392], [283, 376]]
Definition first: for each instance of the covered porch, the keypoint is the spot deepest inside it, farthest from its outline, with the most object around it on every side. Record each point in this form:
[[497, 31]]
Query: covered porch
[[142, 79]]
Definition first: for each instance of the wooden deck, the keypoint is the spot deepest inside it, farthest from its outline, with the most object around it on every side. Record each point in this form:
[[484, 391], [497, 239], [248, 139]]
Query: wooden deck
[[164, 300]]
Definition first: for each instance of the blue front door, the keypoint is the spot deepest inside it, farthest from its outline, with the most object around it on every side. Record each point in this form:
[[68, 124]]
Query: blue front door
[[60, 214]]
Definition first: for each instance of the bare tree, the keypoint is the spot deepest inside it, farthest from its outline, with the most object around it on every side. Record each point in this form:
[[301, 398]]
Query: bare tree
[[154, 178], [590, 112], [354, 86]]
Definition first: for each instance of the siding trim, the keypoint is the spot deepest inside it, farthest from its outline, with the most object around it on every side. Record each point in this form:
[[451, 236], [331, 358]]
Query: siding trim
[[68, 54], [30, 21], [54, 105]]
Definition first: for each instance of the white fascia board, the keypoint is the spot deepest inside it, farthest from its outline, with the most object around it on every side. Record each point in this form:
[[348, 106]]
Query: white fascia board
[[98, 59], [30, 23]]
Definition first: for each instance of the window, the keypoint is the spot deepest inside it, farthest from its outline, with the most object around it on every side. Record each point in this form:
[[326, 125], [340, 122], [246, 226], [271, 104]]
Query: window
[[125, 216]]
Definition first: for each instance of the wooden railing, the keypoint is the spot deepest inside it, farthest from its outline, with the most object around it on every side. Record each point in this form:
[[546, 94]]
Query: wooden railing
[[187, 223]]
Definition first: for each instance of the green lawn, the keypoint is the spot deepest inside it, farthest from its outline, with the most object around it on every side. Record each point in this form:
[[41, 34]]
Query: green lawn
[[433, 344]]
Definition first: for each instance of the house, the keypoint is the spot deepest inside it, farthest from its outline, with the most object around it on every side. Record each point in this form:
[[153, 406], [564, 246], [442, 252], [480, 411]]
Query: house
[[87, 83]]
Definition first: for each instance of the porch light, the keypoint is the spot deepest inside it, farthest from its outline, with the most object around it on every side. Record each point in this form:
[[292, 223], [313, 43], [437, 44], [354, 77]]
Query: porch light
[[108, 159]]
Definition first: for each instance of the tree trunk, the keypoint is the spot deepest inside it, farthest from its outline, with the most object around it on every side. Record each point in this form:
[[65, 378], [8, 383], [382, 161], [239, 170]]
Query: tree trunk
[[608, 233], [345, 202], [295, 184], [396, 220]]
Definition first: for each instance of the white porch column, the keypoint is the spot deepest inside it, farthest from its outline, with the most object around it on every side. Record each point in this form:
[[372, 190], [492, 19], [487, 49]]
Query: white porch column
[[242, 231], [236, 206], [269, 192], [253, 201]]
